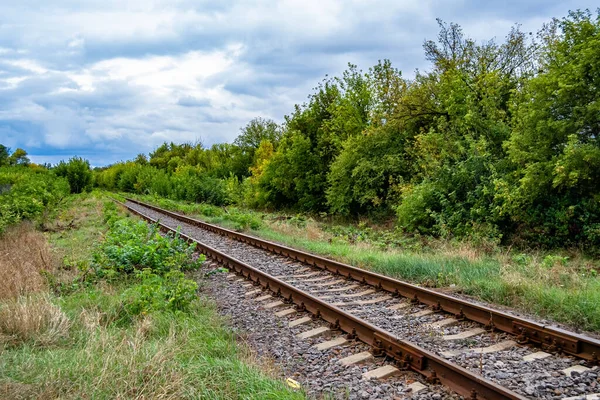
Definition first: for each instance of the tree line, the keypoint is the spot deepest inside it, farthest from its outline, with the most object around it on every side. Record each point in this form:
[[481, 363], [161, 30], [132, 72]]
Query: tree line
[[496, 140]]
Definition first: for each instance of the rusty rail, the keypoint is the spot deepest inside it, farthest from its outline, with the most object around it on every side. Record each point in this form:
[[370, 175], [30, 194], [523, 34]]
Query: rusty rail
[[405, 354], [548, 337]]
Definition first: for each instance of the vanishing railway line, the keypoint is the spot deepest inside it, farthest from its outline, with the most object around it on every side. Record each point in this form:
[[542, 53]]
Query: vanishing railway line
[[476, 351]]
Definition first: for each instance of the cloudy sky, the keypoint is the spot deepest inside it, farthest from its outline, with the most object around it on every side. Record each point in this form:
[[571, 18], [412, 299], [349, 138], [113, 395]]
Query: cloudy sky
[[107, 79]]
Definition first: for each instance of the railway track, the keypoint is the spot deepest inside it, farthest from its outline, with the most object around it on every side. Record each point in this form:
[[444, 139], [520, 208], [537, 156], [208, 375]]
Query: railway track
[[476, 351]]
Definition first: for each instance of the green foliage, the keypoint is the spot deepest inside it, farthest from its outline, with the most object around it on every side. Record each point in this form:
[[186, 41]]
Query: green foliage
[[243, 220], [170, 292], [131, 246], [4, 155], [77, 172], [28, 192], [19, 157]]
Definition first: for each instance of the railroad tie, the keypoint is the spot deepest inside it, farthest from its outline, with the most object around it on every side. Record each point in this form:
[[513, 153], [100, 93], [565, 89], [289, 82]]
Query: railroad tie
[[507, 344], [356, 358], [398, 306], [274, 304], [340, 340], [285, 312], [575, 368], [296, 277], [263, 298], [536, 356], [416, 387], [421, 313], [381, 372], [359, 294], [299, 321], [594, 396], [441, 323], [342, 289], [319, 279], [252, 293], [363, 302], [329, 283], [465, 334], [313, 332]]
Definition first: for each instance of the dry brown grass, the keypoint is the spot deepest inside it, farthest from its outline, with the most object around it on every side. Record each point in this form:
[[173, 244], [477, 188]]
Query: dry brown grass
[[24, 254], [32, 319], [311, 230]]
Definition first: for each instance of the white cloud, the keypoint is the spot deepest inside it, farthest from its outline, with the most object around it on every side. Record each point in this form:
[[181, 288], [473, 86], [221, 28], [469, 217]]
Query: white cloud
[[115, 78]]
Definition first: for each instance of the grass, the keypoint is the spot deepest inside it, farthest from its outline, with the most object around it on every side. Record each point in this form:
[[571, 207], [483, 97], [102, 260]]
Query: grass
[[24, 256], [160, 356], [563, 287], [74, 343]]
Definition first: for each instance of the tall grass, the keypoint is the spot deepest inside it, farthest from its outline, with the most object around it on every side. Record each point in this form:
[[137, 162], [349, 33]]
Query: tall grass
[[32, 320], [24, 259], [160, 356]]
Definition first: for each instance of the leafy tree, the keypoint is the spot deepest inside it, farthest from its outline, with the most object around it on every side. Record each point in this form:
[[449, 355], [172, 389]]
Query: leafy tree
[[4, 155], [256, 131], [141, 159], [78, 173], [555, 145], [19, 157]]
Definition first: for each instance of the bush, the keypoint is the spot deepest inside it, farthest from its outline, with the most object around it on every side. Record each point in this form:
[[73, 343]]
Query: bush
[[171, 292], [132, 246], [30, 191], [78, 173]]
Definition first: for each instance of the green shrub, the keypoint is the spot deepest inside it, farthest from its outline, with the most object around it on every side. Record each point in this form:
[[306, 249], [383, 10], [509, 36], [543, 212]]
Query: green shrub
[[171, 292], [77, 172], [131, 246], [29, 192]]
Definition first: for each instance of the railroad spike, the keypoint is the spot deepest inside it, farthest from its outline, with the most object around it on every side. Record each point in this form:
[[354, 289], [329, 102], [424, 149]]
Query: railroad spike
[[473, 395], [461, 315], [437, 307], [336, 325], [351, 335], [376, 348], [522, 338], [433, 378], [490, 326], [414, 300]]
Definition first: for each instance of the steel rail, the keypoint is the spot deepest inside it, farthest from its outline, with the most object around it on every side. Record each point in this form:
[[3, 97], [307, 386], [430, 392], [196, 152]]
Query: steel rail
[[553, 339], [406, 355]]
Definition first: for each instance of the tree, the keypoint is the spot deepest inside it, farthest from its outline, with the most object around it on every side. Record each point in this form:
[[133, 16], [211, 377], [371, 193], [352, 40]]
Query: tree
[[19, 157], [4, 155], [78, 173], [257, 130], [555, 144]]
